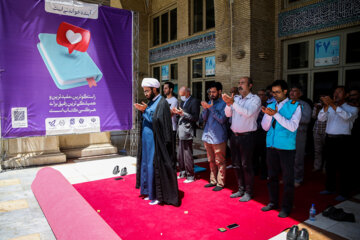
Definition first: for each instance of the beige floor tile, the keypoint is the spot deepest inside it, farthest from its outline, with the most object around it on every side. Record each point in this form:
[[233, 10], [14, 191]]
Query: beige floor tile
[[13, 205], [8, 182], [35, 236]]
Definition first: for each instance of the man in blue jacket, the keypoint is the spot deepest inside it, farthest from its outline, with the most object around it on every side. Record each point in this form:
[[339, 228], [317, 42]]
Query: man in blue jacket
[[215, 136], [281, 121]]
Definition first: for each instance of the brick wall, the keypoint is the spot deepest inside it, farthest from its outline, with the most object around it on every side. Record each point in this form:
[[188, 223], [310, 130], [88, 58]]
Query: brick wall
[[251, 29], [223, 43], [250, 25], [262, 43]]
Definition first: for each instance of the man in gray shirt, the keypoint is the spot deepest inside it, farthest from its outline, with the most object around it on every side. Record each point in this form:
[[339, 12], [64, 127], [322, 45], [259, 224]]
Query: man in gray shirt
[[173, 103], [295, 94]]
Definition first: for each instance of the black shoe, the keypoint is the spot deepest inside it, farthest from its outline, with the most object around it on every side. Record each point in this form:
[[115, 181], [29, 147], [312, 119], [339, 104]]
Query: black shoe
[[339, 215], [123, 171], [116, 170], [303, 235], [283, 214], [209, 185], [329, 211], [245, 198], [292, 233], [269, 207], [217, 188], [237, 194]]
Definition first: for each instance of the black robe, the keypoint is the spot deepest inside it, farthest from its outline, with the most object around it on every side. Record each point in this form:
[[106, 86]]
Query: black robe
[[166, 186]]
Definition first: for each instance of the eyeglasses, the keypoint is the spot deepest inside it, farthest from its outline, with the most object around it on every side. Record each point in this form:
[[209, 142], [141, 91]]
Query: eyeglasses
[[147, 91], [276, 92]]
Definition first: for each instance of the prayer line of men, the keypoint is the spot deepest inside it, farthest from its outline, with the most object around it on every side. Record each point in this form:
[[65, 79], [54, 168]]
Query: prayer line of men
[[269, 128]]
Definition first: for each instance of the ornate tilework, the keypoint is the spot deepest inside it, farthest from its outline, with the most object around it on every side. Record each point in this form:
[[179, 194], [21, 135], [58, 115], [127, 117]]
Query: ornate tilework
[[192, 45], [319, 15]]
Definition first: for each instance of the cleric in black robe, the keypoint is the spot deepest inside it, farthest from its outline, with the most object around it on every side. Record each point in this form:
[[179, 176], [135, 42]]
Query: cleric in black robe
[[156, 161]]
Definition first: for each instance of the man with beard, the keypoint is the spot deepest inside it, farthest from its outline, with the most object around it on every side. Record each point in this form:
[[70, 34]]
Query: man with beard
[[215, 136], [340, 118], [173, 103], [244, 110], [281, 121], [156, 162]]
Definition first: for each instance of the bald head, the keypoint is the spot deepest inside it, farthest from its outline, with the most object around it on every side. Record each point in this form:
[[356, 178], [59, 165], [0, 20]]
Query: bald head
[[184, 91]]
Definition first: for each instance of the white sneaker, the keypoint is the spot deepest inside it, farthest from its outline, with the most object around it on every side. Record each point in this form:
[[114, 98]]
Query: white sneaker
[[147, 198], [188, 180], [179, 177], [154, 202]]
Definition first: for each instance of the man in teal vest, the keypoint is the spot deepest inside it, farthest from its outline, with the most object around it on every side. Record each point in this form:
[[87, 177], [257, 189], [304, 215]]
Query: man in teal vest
[[281, 121]]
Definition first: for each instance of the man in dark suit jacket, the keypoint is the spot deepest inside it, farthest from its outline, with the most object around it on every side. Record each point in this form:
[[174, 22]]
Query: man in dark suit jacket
[[188, 116]]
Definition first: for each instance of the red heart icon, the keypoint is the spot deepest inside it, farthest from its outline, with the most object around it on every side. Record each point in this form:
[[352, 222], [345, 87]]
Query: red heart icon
[[73, 37]]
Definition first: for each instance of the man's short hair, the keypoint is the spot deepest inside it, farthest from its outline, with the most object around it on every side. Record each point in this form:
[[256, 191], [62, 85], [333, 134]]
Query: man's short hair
[[342, 87], [170, 85], [281, 83], [217, 85], [250, 80], [296, 85]]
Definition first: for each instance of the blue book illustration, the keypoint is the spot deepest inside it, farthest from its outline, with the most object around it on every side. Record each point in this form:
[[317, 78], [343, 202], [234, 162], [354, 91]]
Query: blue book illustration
[[67, 70]]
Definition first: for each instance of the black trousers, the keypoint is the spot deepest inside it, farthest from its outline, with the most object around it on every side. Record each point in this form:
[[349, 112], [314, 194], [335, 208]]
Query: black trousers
[[242, 148], [281, 161], [174, 140], [338, 160], [185, 158], [259, 158]]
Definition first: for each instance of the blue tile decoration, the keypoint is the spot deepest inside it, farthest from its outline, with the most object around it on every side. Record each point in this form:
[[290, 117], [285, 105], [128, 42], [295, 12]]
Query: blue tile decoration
[[327, 13], [188, 46]]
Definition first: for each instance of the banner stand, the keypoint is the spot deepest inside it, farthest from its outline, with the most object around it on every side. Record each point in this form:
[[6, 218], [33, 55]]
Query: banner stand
[[2, 152], [85, 103], [135, 131]]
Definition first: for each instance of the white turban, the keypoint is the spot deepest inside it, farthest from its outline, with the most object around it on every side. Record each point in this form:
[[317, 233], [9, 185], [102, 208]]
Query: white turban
[[150, 82]]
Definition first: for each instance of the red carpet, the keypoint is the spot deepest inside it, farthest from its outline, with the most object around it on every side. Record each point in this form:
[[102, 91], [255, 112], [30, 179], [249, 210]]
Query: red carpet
[[68, 214], [133, 218]]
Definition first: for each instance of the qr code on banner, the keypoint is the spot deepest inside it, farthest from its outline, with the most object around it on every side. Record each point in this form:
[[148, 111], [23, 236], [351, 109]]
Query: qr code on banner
[[19, 117]]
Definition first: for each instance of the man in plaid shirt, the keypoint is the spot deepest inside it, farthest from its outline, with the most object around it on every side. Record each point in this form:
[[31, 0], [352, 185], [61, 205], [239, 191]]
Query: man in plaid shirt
[[319, 138]]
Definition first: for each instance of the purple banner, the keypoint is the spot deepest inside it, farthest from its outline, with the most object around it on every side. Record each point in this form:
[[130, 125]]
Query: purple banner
[[64, 74]]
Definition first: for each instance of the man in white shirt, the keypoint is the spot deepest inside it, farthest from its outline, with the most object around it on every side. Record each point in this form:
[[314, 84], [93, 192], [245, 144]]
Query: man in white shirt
[[340, 118], [244, 110], [281, 121], [173, 103]]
